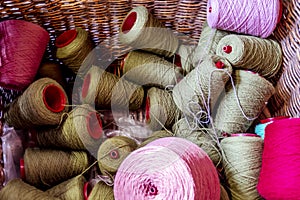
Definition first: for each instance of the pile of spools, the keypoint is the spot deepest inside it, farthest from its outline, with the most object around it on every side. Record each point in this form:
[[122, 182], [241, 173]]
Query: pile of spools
[[176, 121]]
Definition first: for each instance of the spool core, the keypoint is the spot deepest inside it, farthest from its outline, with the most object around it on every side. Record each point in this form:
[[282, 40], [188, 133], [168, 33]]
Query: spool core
[[147, 109], [22, 169], [227, 49], [94, 125], [65, 38], [54, 98], [87, 189], [86, 85], [219, 64], [129, 22], [272, 119]]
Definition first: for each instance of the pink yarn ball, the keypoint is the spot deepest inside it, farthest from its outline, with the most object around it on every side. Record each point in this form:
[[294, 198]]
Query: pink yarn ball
[[168, 168]]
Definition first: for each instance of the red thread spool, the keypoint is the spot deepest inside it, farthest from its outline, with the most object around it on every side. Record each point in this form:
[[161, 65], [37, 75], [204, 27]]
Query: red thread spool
[[54, 98], [129, 22], [94, 125], [65, 38], [87, 189]]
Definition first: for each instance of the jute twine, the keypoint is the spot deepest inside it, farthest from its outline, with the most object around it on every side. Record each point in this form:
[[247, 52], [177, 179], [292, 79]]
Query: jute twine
[[42, 103], [17, 189], [242, 164], [161, 111], [186, 53], [141, 30], [196, 94], [243, 102], [73, 53], [156, 135], [150, 70], [204, 138], [263, 56], [52, 70], [45, 168], [82, 129], [101, 191], [113, 151], [70, 189], [105, 89]]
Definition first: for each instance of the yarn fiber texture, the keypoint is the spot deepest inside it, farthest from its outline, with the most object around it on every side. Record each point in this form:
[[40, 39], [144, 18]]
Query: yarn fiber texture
[[42, 103], [105, 90], [263, 56], [242, 104], [156, 135], [101, 191], [167, 168], [141, 30], [22, 48], [150, 70]]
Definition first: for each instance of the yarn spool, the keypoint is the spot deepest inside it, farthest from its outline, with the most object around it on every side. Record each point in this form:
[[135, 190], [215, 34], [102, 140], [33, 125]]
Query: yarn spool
[[260, 128], [236, 111], [52, 70], [167, 168], [242, 164], [22, 48], [73, 46], [82, 129], [100, 191], [257, 18], [279, 175], [150, 70], [113, 151], [42, 103], [17, 189], [197, 93], [204, 138], [44, 168], [263, 56], [70, 189], [160, 109], [106, 90], [141, 30], [156, 135]]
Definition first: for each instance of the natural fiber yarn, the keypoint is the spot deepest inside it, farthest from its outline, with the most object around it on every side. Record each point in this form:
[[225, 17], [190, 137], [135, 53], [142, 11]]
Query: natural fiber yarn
[[242, 164], [150, 70], [161, 110], [22, 48], [196, 94], [113, 151], [46, 168], [17, 189], [279, 175], [142, 30], [167, 168], [70, 189], [52, 70], [263, 56], [156, 135], [186, 54], [106, 90], [101, 191], [257, 18], [42, 103], [82, 129], [204, 138], [242, 102], [73, 46]]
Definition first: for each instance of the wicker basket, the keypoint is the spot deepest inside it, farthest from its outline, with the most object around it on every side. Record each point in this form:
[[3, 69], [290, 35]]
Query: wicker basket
[[103, 18]]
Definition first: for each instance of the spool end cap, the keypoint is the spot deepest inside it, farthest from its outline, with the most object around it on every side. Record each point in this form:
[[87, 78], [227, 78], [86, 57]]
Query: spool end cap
[[65, 38]]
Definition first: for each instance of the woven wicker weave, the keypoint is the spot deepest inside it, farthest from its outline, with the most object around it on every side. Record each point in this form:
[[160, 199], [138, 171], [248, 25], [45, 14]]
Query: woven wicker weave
[[103, 18]]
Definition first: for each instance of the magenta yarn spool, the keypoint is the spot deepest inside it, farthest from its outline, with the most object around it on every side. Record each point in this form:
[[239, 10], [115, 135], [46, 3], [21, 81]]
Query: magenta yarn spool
[[167, 168], [22, 48], [256, 17]]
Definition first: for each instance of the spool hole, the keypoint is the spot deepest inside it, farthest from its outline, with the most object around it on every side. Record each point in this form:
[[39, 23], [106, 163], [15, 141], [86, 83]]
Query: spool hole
[[94, 125], [65, 38], [210, 9], [153, 190], [86, 85], [219, 64], [54, 98], [87, 189], [227, 49], [114, 154], [129, 22], [147, 109]]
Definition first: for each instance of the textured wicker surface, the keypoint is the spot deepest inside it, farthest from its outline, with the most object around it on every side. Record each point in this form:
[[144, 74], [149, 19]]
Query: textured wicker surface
[[103, 18]]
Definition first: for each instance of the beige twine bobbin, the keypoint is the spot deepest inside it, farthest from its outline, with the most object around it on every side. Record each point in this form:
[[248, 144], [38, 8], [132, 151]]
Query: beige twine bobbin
[[243, 103], [156, 135], [150, 70], [142, 30], [42, 103], [107, 90], [101, 191], [161, 110], [112, 152]]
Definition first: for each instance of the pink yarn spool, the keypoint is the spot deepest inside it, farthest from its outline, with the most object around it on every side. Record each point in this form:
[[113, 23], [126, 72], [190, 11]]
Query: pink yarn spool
[[280, 175], [167, 168], [22, 48], [256, 17]]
